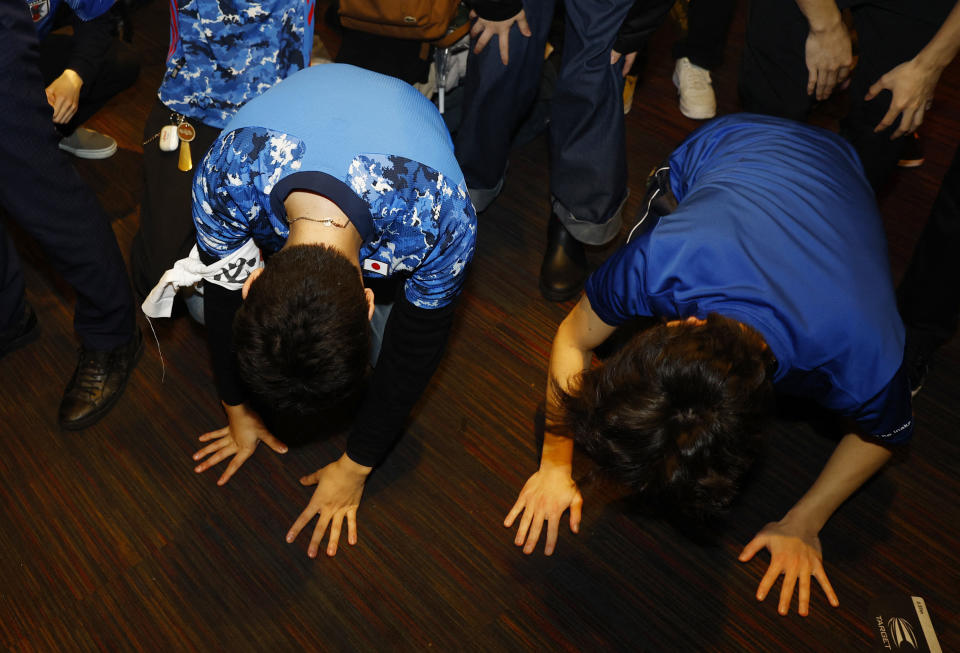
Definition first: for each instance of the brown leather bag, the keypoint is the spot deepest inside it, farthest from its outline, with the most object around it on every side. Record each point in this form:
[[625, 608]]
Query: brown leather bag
[[421, 20]]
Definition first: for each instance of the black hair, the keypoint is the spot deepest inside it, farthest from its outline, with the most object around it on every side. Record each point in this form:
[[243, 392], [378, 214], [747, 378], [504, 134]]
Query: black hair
[[677, 413], [302, 336]]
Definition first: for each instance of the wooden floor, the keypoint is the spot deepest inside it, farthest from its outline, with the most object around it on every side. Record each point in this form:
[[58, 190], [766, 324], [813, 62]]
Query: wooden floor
[[111, 542]]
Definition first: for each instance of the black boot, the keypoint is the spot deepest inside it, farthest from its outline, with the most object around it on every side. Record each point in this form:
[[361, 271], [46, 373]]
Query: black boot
[[97, 383], [564, 267]]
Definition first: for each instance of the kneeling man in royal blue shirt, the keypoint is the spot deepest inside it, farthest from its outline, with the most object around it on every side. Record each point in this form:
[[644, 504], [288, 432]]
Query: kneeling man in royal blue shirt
[[761, 250]]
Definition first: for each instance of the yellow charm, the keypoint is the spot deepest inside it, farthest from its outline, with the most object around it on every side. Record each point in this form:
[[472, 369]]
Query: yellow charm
[[187, 133]]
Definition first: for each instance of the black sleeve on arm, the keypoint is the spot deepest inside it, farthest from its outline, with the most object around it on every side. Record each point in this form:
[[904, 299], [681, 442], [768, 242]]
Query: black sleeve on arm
[[219, 307], [496, 9], [92, 40], [413, 344]]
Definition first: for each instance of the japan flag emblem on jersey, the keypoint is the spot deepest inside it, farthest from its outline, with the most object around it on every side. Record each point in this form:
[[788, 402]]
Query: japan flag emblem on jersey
[[377, 267], [39, 9]]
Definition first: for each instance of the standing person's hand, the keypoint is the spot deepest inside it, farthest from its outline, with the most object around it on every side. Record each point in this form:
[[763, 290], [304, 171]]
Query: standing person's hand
[[337, 497], [829, 57], [911, 85], [238, 439], [63, 94], [484, 30], [912, 82], [628, 60]]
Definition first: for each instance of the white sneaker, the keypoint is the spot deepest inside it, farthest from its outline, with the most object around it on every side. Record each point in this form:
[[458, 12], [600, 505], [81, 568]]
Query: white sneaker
[[693, 83]]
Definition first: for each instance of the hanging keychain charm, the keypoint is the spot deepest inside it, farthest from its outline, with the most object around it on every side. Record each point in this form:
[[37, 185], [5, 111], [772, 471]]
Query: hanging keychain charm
[[186, 133], [168, 138]]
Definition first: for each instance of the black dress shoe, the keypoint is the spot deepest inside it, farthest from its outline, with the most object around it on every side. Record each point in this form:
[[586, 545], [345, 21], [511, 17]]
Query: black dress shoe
[[97, 383], [25, 331], [564, 267]]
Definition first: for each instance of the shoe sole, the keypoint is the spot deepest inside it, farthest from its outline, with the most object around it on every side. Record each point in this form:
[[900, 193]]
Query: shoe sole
[[693, 115], [554, 296], [93, 418], [103, 153]]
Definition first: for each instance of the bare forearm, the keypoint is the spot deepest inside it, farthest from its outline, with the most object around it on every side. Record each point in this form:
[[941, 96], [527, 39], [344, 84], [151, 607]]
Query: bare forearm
[[353, 469], [567, 362], [821, 14], [74, 77], [943, 47], [240, 414], [557, 451], [852, 463], [570, 355], [572, 349]]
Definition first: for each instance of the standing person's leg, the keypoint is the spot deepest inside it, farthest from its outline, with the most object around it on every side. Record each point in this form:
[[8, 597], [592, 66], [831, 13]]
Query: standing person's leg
[[700, 52], [166, 232], [889, 33], [496, 99], [929, 294], [118, 72], [55, 56], [17, 322], [45, 195], [773, 74], [588, 169], [43, 192], [708, 22]]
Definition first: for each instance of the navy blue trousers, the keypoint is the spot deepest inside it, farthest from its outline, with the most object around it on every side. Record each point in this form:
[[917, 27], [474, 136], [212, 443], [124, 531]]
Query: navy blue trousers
[[119, 71], [588, 167], [42, 191]]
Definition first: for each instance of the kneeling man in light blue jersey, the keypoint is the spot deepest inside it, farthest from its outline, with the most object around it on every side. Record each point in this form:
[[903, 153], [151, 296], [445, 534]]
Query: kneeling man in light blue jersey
[[336, 175]]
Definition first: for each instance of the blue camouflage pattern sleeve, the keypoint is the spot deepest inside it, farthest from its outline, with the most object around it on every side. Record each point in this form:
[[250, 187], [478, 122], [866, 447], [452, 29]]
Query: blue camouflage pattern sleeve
[[231, 190], [425, 223]]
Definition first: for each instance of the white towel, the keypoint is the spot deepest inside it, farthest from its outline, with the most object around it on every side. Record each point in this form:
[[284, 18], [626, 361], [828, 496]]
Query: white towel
[[229, 273]]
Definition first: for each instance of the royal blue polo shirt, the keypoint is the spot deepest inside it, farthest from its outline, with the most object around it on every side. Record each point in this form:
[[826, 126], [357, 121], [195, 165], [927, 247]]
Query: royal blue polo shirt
[[777, 228]]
